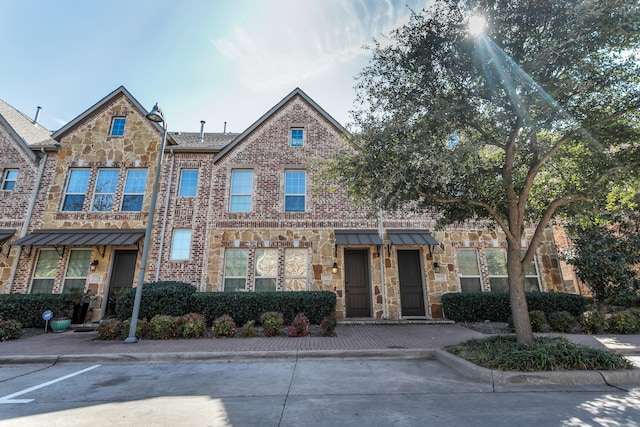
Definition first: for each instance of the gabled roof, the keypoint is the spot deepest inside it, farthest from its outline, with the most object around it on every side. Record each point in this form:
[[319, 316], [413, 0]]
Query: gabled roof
[[23, 131], [121, 91], [296, 92]]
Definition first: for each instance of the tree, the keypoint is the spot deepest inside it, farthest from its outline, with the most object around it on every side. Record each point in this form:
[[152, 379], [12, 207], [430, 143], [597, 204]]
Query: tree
[[607, 257], [536, 117]]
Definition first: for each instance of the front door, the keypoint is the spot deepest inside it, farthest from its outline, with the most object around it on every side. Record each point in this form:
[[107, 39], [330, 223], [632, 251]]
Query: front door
[[356, 283], [409, 274], [124, 266]]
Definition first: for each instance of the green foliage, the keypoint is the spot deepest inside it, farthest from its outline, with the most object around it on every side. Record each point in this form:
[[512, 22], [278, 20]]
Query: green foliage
[[163, 327], [562, 321], [481, 306], [112, 329], [248, 329], [192, 325], [299, 327], [538, 320], [224, 326], [607, 256], [624, 322], [168, 298], [10, 330], [594, 322], [245, 306], [328, 325], [545, 354], [271, 322], [28, 308]]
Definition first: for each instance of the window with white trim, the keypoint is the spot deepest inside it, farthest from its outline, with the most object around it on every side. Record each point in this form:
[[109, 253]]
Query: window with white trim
[[105, 190], [75, 277], [188, 183], [469, 270], [266, 270], [296, 269], [531, 281], [117, 126], [181, 245], [9, 179], [45, 271], [76, 190], [295, 190], [241, 190], [497, 269], [134, 188], [235, 269], [297, 137]]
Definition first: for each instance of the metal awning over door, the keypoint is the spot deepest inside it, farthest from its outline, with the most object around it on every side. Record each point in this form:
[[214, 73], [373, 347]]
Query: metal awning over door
[[411, 237], [81, 237], [357, 237]]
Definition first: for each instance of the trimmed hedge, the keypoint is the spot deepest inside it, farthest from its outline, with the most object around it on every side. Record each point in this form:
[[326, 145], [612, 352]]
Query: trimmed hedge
[[28, 308], [481, 306], [158, 298], [246, 306]]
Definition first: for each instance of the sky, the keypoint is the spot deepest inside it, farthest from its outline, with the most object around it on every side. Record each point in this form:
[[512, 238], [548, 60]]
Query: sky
[[213, 60]]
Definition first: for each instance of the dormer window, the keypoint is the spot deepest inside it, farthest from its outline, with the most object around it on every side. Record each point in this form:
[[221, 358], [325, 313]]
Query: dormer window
[[117, 126]]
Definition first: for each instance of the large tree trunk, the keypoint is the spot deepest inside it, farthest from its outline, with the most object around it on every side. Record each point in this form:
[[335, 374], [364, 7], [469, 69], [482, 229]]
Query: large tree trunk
[[519, 310]]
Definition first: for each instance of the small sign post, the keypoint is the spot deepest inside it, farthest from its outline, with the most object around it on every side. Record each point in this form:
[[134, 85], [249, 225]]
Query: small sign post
[[46, 316]]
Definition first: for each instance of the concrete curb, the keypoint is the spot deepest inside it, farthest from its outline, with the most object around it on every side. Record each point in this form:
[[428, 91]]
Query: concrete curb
[[573, 378]]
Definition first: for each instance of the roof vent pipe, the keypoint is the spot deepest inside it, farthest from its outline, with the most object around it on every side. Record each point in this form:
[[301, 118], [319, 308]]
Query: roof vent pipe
[[224, 130], [35, 120], [201, 139]]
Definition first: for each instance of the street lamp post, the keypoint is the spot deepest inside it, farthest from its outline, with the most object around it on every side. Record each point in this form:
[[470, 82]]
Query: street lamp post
[[155, 116]]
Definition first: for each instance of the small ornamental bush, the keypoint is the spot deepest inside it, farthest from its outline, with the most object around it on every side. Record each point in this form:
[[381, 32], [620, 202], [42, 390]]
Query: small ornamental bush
[[163, 327], [192, 325], [110, 329], [594, 323], [224, 326], [562, 321], [9, 330], [272, 323], [538, 320], [624, 322], [328, 325], [299, 327], [248, 329]]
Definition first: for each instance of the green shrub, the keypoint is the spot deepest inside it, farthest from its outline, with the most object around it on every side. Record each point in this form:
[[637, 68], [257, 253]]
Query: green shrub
[[481, 306], [272, 322], [562, 321], [245, 306], [192, 325], [545, 354], [27, 309], [538, 320], [224, 326], [10, 330], [594, 322], [624, 322], [112, 329], [299, 327], [328, 325], [164, 327], [248, 329], [158, 298]]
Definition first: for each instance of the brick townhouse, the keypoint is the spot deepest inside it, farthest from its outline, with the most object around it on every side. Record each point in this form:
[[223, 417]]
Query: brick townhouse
[[235, 212]]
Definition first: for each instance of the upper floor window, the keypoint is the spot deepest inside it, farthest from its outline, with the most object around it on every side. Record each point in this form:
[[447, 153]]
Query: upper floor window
[[134, 190], [297, 137], [295, 185], [76, 190], [241, 189], [117, 126], [188, 183], [9, 179], [105, 190], [181, 244], [469, 271]]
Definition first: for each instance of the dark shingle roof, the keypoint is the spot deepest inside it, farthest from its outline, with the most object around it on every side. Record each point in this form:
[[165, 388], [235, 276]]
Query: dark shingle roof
[[215, 141], [32, 135]]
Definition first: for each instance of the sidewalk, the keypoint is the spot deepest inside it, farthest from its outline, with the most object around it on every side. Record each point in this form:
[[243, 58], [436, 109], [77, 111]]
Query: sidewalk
[[351, 340]]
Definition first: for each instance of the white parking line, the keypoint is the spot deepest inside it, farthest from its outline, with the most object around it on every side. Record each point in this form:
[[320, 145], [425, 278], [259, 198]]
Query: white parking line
[[9, 398]]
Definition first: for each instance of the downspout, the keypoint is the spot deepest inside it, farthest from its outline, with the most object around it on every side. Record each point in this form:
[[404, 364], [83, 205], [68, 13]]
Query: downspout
[[27, 220], [381, 256], [164, 216]]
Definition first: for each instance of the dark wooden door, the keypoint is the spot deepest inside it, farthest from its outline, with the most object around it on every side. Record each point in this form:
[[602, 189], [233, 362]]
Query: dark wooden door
[[124, 266], [411, 289], [356, 283]]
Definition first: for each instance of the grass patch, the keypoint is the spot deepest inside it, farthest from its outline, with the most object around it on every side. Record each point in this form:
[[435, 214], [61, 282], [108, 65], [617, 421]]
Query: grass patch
[[503, 353]]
